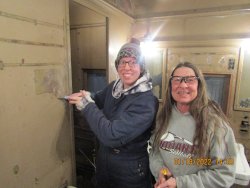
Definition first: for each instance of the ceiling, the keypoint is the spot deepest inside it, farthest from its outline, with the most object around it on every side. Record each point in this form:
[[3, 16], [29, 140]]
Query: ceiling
[[140, 9]]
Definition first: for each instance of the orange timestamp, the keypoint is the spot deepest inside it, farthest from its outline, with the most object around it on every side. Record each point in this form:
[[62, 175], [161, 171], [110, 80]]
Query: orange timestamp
[[227, 161], [203, 161]]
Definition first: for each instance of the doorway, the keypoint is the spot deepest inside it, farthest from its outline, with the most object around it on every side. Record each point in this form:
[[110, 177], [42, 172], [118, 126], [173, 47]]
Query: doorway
[[88, 36]]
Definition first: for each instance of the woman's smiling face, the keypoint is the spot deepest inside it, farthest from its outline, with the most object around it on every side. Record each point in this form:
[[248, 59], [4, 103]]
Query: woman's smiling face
[[184, 85], [129, 71]]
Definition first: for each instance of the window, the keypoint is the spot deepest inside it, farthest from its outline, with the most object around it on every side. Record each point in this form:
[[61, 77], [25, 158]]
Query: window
[[218, 88], [94, 79]]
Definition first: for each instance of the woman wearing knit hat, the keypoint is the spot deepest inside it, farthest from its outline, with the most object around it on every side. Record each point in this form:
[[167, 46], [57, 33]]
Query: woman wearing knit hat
[[122, 117]]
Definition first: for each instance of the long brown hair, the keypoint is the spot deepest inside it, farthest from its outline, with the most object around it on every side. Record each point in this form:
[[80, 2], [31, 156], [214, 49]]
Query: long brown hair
[[201, 108]]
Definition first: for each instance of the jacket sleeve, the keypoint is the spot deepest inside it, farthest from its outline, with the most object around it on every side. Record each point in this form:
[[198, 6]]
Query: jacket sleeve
[[222, 171], [135, 120], [99, 96]]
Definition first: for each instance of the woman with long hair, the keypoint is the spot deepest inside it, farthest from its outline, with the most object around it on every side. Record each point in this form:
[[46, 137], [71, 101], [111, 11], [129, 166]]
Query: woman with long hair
[[193, 141]]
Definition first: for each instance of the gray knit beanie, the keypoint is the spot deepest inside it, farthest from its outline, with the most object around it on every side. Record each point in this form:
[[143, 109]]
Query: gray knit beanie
[[131, 49]]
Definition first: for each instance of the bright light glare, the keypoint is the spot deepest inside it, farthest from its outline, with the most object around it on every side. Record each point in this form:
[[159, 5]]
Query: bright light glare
[[148, 49], [246, 44]]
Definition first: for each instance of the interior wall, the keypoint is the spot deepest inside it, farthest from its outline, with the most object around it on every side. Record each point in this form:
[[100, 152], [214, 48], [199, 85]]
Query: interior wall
[[146, 9], [35, 127], [200, 27]]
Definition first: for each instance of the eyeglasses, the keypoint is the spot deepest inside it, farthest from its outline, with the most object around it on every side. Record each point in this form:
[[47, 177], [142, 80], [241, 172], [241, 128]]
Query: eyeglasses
[[131, 64], [186, 79]]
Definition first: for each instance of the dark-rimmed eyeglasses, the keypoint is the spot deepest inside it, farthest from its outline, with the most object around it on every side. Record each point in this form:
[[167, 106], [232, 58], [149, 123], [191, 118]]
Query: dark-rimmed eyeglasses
[[131, 64], [186, 79]]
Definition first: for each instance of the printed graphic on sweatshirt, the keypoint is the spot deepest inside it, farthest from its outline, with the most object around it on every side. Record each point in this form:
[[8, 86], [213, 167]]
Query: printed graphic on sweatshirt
[[176, 145]]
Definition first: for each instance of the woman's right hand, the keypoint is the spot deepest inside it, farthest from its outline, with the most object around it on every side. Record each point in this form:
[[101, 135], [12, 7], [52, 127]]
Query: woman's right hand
[[80, 99], [75, 98]]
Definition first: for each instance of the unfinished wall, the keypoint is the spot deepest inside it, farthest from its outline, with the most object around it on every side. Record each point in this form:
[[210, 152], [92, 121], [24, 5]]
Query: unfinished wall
[[35, 129]]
